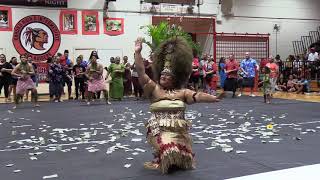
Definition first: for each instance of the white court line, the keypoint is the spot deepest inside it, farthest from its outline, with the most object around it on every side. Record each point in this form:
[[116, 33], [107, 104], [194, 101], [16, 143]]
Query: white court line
[[310, 172]]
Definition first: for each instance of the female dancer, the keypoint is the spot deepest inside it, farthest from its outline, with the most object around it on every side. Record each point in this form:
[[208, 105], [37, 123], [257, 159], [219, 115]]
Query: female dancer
[[24, 71], [96, 82], [167, 129]]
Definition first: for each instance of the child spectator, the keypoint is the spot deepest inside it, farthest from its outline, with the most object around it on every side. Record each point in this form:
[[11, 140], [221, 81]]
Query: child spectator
[[266, 85]]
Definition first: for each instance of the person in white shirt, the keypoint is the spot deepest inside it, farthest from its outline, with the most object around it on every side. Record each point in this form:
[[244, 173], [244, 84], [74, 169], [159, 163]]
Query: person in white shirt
[[313, 55]]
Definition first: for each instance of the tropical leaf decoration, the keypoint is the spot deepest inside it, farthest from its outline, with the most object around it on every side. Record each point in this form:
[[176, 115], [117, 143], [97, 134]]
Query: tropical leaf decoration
[[164, 31]]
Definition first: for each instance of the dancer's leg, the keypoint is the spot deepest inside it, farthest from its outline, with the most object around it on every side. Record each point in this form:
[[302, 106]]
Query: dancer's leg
[[34, 97], [90, 94], [106, 96]]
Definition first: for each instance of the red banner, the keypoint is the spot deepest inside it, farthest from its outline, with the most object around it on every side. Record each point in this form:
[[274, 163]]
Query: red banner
[[44, 3], [113, 26]]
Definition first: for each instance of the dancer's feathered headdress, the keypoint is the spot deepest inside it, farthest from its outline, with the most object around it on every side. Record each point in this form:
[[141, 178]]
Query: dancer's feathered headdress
[[174, 57]]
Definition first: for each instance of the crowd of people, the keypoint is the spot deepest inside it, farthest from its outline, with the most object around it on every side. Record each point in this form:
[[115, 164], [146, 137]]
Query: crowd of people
[[19, 79], [87, 77], [270, 75]]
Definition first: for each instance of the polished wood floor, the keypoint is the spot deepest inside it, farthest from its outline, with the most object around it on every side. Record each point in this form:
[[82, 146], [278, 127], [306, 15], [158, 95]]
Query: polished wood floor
[[309, 97]]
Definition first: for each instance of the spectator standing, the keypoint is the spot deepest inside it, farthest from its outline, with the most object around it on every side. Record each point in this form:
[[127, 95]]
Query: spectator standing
[[79, 78], [274, 73], [279, 62], [202, 64], [209, 75], [5, 76], [138, 91], [67, 65], [313, 55], [127, 83], [195, 75], [222, 71], [232, 68], [14, 79], [57, 74], [117, 72], [249, 67]]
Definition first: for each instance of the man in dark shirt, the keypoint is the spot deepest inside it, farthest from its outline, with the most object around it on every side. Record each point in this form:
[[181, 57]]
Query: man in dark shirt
[[5, 75], [66, 62], [232, 68], [79, 78]]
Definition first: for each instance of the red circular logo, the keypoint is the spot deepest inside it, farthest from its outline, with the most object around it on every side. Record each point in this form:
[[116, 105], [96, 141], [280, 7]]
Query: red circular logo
[[36, 36]]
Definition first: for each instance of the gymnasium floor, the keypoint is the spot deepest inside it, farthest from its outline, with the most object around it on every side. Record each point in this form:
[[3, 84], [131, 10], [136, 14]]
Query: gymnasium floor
[[72, 141]]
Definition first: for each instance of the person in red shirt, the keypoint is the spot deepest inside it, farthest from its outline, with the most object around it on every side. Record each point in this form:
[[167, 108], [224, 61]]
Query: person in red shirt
[[231, 69], [263, 63], [274, 73], [195, 75]]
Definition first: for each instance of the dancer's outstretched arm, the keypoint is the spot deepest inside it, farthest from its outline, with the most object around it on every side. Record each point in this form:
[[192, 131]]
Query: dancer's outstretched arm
[[198, 97], [143, 77]]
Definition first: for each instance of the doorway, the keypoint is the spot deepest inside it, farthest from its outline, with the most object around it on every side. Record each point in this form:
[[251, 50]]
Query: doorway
[[201, 30]]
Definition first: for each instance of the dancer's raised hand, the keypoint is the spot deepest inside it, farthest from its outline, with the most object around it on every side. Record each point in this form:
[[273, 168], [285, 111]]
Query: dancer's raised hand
[[138, 44]]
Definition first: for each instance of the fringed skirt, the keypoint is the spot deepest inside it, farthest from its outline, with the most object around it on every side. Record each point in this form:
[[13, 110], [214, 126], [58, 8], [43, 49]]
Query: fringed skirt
[[96, 85], [169, 138], [23, 85]]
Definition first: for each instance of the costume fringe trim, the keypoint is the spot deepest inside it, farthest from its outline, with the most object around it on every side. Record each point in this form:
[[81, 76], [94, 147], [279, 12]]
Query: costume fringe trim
[[175, 155]]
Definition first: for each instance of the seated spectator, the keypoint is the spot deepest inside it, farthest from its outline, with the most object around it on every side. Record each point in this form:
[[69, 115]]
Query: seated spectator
[[281, 84], [302, 86], [291, 84]]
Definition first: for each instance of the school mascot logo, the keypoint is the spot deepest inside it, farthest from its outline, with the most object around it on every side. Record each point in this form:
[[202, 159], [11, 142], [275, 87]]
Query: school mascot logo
[[36, 36]]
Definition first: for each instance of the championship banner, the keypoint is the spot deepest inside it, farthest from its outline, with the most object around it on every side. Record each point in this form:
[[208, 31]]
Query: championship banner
[[42, 69], [44, 3]]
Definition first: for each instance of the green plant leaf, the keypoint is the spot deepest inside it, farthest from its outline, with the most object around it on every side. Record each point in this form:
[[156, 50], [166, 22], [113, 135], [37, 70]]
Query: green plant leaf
[[164, 31]]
